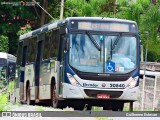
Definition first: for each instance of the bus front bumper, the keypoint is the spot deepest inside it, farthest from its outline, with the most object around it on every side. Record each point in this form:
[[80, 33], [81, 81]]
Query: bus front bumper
[[75, 92]]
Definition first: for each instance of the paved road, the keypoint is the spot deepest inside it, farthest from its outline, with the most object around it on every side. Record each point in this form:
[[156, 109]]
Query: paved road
[[50, 118], [24, 108], [27, 108]]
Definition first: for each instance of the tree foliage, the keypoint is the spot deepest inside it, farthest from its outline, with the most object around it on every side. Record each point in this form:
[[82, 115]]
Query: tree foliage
[[147, 16], [3, 43], [82, 8]]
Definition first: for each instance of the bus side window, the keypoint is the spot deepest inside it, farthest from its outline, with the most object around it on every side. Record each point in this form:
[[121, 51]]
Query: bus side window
[[32, 50], [54, 43], [46, 49], [11, 69], [28, 52], [3, 74]]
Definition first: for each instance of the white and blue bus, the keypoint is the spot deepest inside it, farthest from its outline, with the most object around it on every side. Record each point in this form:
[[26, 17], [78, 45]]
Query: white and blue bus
[[7, 69], [79, 61], [7, 66]]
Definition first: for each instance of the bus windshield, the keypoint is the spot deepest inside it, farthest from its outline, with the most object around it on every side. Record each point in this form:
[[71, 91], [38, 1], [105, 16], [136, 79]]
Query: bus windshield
[[103, 54], [3, 72]]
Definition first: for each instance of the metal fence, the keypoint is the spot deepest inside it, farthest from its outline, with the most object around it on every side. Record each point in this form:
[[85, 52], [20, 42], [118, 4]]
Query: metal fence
[[151, 94]]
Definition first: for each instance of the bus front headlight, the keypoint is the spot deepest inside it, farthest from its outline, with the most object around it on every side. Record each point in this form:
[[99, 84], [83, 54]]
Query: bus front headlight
[[133, 82], [73, 80]]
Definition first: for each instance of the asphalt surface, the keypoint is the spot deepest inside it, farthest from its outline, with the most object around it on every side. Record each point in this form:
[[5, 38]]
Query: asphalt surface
[[27, 108]]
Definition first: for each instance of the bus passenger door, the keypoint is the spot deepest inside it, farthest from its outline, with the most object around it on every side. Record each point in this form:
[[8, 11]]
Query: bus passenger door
[[38, 67], [22, 74], [45, 72], [62, 63]]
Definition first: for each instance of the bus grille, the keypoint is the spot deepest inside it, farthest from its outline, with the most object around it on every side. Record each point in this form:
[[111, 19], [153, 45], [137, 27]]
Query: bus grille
[[93, 93], [104, 78]]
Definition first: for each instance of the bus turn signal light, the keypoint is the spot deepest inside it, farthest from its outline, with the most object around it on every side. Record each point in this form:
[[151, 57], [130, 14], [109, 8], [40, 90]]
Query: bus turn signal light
[[133, 82]]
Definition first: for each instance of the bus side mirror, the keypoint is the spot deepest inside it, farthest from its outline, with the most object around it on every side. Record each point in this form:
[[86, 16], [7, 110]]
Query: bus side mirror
[[141, 51]]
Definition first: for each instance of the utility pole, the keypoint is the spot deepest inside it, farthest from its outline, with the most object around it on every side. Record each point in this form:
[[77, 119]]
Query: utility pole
[[142, 60], [114, 4], [144, 76], [62, 9]]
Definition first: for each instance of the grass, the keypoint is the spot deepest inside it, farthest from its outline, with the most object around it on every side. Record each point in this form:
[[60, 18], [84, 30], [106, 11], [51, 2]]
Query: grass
[[4, 102], [40, 108], [11, 86], [103, 118], [18, 104], [95, 108]]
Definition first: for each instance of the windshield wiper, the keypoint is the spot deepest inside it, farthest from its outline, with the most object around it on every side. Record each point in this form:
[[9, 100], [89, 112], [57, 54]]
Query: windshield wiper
[[93, 41], [111, 49], [113, 46], [115, 42]]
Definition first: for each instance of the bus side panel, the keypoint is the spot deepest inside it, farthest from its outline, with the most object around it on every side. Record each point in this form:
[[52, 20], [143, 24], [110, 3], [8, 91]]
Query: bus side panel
[[29, 76], [45, 89], [44, 86], [44, 92]]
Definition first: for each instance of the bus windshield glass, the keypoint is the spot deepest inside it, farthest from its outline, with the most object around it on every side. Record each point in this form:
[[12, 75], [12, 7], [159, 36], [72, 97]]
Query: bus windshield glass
[[3, 67], [103, 54], [3, 72]]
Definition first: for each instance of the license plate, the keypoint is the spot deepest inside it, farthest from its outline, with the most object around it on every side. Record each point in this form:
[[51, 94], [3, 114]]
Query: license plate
[[103, 96]]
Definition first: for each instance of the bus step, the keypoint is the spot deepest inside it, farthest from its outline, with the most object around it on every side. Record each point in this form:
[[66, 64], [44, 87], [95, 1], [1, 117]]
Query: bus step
[[23, 102]]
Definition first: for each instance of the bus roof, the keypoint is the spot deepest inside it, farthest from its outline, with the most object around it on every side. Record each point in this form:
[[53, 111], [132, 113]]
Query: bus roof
[[55, 24], [101, 19], [7, 56]]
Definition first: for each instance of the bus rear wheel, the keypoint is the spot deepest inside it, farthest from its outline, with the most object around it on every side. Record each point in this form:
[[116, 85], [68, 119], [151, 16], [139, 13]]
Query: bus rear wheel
[[29, 102]]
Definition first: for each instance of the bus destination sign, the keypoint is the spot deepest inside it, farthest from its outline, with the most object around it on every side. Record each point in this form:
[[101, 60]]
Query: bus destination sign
[[114, 27]]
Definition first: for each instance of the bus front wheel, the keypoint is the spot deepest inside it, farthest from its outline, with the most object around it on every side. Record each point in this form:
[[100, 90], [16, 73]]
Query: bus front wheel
[[117, 106], [54, 100]]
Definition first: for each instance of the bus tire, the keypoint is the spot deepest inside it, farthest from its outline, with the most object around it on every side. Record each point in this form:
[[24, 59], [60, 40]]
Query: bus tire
[[78, 105], [29, 101], [9, 97], [54, 100], [117, 107], [107, 107], [15, 101]]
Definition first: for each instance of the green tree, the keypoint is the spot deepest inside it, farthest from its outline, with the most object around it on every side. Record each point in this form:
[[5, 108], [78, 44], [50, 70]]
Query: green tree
[[84, 8], [150, 22], [132, 10], [4, 43], [147, 16], [13, 17]]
